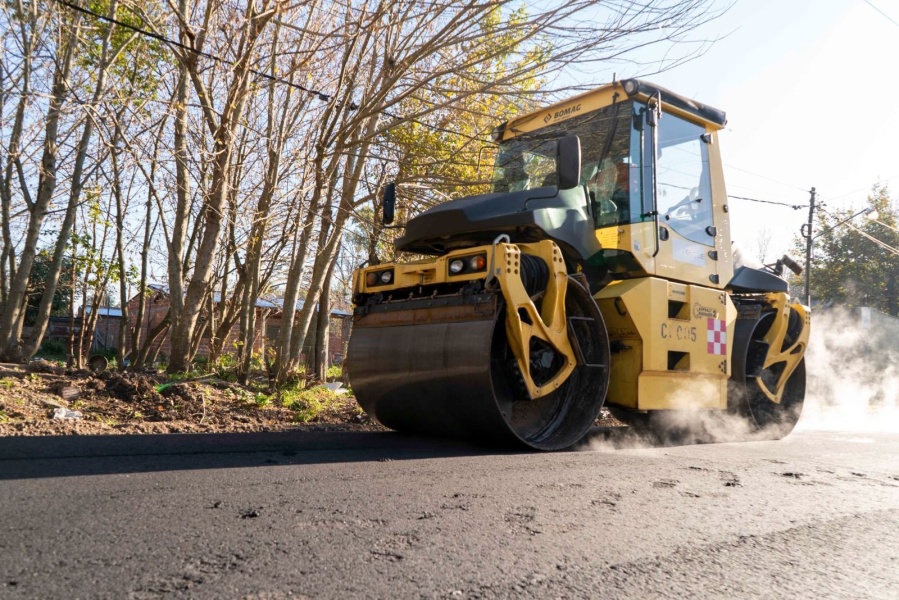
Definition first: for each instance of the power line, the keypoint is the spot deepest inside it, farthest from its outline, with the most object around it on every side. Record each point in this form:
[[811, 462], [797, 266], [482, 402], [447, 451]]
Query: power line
[[789, 185], [793, 206], [859, 190], [886, 16], [885, 225], [873, 239], [321, 95]]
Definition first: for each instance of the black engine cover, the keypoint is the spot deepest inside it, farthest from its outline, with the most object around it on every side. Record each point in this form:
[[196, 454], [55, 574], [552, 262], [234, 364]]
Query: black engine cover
[[525, 216]]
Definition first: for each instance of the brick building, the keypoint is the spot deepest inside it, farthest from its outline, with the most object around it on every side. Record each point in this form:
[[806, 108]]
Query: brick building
[[269, 317]]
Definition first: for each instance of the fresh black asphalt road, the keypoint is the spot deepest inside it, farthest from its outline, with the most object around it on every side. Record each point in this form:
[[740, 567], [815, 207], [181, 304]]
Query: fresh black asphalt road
[[379, 515]]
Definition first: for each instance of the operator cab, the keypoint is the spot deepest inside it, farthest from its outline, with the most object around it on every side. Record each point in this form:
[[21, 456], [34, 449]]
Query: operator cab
[[651, 172]]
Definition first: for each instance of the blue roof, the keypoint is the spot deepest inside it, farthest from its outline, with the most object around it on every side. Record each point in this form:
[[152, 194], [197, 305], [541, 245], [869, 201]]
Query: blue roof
[[104, 311]]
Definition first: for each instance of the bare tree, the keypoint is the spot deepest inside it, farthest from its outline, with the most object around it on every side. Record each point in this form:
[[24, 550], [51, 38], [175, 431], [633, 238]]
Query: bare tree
[[238, 145]]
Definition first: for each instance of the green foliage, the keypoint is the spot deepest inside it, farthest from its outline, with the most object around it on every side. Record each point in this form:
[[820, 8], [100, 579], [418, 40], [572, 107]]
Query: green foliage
[[179, 376], [225, 366], [53, 349], [308, 403], [137, 56], [445, 151], [7, 383], [335, 373], [91, 266], [851, 269], [262, 400], [40, 270]]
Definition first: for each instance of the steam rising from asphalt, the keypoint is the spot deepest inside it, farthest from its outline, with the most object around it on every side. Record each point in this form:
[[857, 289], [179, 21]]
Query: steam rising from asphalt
[[853, 373], [683, 427], [852, 367]]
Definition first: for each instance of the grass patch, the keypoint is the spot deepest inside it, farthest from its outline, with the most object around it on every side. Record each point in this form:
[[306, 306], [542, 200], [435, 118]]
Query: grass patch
[[335, 373], [308, 404], [53, 350], [262, 400]]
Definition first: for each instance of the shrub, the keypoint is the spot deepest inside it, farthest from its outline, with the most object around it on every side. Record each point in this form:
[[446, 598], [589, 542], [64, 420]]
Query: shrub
[[52, 348], [262, 400], [335, 373], [310, 403]]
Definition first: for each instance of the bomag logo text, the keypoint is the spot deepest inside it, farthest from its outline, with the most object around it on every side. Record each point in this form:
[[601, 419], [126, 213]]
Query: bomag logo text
[[566, 111]]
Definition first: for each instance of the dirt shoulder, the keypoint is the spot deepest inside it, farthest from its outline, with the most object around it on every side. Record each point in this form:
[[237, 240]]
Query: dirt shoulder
[[43, 399], [151, 402]]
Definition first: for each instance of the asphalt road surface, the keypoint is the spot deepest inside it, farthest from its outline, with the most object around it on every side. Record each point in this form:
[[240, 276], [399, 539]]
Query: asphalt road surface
[[379, 515]]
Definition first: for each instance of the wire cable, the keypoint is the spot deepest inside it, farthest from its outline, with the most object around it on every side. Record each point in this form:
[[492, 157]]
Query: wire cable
[[886, 16], [885, 225], [321, 95], [859, 190], [873, 239], [793, 206], [789, 185]]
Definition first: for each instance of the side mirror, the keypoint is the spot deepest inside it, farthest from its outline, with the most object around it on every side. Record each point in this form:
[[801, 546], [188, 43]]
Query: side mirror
[[389, 203], [568, 162]]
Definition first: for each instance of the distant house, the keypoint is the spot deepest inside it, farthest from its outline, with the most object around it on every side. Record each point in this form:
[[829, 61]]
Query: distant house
[[106, 333], [269, 317]]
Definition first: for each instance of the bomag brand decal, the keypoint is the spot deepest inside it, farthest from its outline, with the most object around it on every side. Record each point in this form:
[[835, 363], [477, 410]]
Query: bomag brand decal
[[565, 112], [700, 311]]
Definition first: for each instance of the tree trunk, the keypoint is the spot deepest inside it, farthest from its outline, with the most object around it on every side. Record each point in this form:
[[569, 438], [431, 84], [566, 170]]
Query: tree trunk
[[120, 207], [323, 329], [183, 329], [77, 186], [12, 315]]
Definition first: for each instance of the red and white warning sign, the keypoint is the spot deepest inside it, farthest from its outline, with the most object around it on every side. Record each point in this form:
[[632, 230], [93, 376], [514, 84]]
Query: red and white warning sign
[[717, 337]]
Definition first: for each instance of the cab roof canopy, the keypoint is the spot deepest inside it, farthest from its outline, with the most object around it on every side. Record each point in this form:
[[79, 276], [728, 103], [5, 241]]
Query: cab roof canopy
[[634, 89]]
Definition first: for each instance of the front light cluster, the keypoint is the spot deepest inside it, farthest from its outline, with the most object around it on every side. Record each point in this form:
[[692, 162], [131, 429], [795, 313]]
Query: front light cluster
[[468, 264], [373, 278]]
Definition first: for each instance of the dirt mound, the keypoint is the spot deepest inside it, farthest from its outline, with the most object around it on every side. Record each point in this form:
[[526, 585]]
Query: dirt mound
[[151, 402], [184, 401], [131, 387]]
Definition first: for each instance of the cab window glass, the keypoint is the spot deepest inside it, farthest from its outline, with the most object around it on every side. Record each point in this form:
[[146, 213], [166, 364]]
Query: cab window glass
[[528, 160], [609, 172], [525, 165], [682, 171]]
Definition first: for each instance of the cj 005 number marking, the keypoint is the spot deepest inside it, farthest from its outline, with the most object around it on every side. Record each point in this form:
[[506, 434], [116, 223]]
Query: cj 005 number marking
[[681, 333]]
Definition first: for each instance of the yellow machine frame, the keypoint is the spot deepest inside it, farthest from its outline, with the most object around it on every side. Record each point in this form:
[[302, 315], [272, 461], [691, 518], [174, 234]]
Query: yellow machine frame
[[671, 331], [504, 259]]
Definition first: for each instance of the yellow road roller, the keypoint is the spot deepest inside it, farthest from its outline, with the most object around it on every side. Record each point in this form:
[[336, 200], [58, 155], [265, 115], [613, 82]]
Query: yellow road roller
[[600, 269]]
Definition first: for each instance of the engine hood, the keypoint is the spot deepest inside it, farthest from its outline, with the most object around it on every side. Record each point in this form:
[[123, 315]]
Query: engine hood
[[525, 216]]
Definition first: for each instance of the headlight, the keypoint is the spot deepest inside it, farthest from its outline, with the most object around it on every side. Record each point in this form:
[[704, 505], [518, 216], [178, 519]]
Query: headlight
[[477, 263], [457, 266], [376, 278]]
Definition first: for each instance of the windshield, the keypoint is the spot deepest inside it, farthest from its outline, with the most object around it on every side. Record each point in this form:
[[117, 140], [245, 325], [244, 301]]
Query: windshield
[[609, 167]]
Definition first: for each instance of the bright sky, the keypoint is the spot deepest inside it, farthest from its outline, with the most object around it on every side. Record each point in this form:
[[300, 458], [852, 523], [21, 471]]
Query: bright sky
[[792, 76]]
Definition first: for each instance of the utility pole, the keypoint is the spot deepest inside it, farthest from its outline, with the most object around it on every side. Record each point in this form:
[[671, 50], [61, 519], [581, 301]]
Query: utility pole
[[808, 248]]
